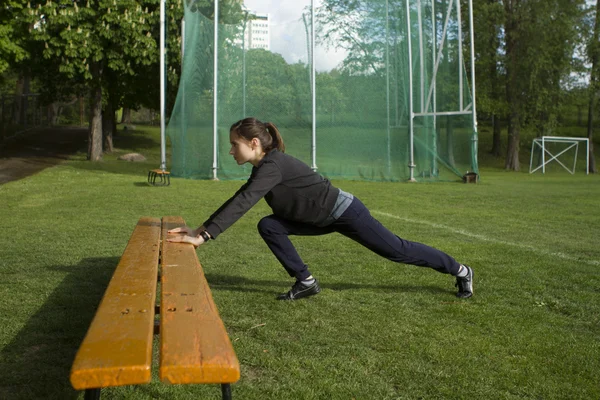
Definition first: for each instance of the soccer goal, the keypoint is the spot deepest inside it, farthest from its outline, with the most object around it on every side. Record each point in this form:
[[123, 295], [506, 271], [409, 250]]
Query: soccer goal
[[560, 150]]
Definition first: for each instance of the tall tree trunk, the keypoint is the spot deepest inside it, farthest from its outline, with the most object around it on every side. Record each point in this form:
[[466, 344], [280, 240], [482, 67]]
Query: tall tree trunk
[[496, 138], [590, 134], [95, 130], [492, 49], [108, 126], [126, 117], [18, 102], [512, 89], [595, 50], [25, 98], [54, 112], [512, 152], [81, 111]]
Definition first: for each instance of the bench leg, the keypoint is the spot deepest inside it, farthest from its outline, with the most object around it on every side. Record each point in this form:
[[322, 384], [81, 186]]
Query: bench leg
[[226, 390], [92, 394]]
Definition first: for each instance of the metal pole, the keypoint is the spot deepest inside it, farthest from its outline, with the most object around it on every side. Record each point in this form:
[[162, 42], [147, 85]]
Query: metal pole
[[460, 56], [387, 87], [439, 56], [421, 57], [475, 163], [575, 158], [314, 86], [182, 39], [422, 76], [307, 48], [215, 88], [587, 157], [531, 156], [92, 394], [183, 121], [244, 65], [163, 149], [226, 391], [411, 163], [434, 83], [543, 155]]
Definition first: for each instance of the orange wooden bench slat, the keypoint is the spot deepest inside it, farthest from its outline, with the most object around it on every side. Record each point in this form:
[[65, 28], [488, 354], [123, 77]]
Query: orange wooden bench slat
[[117, 349], [194, 345]]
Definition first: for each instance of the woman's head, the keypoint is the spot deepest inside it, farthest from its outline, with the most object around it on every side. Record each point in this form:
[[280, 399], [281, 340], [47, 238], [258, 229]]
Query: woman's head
[[266, 133]]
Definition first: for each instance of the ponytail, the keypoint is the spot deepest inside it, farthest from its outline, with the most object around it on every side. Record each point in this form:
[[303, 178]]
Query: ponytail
[[277, 140], [267, 133]]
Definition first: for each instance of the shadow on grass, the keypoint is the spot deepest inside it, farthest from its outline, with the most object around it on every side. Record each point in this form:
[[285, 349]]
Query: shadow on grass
[[142, 184], [242, 284], [37, 363]]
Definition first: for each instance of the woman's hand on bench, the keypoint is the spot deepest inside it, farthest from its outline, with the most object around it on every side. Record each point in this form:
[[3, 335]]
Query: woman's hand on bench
[[190, 235], [187, 230], [196, 241]]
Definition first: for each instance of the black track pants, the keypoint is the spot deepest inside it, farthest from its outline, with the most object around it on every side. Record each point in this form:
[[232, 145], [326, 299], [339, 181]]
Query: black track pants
[[358, 224]]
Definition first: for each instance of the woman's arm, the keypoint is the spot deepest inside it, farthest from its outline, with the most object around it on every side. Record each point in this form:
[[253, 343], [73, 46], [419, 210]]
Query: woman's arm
[[241, 189], [262, 180]]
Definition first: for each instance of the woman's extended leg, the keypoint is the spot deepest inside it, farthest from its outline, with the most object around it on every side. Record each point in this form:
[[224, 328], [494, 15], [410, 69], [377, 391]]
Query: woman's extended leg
[[358, 224]]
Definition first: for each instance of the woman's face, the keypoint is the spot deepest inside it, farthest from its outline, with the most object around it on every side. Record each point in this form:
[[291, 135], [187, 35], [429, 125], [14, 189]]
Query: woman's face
[[241, 149]]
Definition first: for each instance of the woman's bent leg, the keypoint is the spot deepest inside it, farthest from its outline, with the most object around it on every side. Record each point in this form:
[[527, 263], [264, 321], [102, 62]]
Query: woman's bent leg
[[275, 232]]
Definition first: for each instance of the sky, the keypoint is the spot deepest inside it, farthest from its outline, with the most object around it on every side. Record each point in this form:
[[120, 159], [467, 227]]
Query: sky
[[288, 34]]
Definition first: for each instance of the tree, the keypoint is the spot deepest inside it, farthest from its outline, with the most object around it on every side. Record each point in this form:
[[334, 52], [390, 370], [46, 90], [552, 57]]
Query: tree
[[268, 83], [539, 42], [18, 52], [488, 18], [359, 28], [11, 35], [89, 39], [331, 99], [593, 51]]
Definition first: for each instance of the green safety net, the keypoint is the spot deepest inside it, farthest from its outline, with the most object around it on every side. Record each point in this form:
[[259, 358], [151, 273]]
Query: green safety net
[[363, 108]]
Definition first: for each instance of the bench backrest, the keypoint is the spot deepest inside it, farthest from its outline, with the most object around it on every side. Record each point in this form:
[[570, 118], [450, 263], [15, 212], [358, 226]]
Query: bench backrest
[[117, 349], [194, 345]]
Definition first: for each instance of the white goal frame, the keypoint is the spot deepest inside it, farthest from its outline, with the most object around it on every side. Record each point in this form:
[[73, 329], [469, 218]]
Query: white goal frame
[[572, 142]]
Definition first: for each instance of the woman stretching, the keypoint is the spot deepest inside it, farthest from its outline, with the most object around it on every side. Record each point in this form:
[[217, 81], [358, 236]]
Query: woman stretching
[[305, 203]]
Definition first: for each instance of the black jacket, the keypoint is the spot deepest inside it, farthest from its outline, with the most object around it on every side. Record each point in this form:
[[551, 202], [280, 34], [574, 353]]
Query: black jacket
[[291, 188]]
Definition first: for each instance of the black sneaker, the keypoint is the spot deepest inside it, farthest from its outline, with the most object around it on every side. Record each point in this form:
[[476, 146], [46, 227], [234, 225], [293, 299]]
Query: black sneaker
[[465, 284], [300, 290]]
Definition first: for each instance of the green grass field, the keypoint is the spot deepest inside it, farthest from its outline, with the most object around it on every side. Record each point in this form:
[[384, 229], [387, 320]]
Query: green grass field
[[378, 330]]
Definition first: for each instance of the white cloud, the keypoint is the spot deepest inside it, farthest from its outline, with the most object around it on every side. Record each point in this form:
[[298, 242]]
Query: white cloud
[[288, 33]]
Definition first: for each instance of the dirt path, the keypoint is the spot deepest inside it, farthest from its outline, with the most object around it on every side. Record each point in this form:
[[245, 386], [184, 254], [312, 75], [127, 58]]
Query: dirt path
[[39, 149]]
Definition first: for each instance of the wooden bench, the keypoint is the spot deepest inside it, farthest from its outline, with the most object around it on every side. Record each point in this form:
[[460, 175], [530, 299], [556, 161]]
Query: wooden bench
[[194, 345]]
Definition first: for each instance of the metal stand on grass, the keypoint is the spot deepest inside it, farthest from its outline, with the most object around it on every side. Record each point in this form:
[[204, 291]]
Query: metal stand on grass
[[164, 177]]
